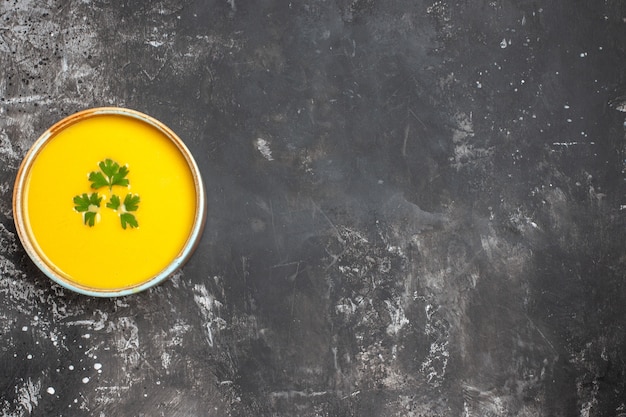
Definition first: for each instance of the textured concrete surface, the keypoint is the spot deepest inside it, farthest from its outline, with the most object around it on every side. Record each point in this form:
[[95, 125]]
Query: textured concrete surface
[[416, 208]]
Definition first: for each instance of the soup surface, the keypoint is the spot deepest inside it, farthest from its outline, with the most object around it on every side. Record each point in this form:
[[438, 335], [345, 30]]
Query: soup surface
[[109, 201]]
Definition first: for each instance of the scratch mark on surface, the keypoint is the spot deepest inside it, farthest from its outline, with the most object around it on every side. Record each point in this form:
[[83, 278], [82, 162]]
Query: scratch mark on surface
[[274, 235], [296, 394], [332, 225], [568, 144], [543, 336], [417, 118], [293, 299], [407, 129], [97, 324]]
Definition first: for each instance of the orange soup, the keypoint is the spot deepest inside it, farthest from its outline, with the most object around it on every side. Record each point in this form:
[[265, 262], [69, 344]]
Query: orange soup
[[109, 202]]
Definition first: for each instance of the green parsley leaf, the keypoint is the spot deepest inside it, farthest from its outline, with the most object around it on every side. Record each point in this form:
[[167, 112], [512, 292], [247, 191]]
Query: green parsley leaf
[[114, 202], [109, 167], [119, 178], [81, 203], [131, 202], [128, 219], [94, 199], [98, 180], [89, 217], [110, 175]]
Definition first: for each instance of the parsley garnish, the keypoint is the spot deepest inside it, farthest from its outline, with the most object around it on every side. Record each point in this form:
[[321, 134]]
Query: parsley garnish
[[110, 174], [88, 205], [131, 203]]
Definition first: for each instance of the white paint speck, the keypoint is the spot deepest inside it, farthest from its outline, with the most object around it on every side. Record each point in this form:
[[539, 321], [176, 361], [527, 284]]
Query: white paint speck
[[25, 328], [566, 106], [29, 356], [50, 390], [166, 359], [263, 146], [209, 308], [97, 366], [398, 317], [85, 380], [71, 367], [503, 43]]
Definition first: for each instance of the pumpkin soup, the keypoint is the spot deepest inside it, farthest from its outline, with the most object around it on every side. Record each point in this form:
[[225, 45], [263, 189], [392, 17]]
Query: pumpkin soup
[[109, 201]]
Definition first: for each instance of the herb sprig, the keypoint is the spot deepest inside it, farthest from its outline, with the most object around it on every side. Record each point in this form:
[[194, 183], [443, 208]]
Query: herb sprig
[[88, 205], [111, 175], [131, 203]]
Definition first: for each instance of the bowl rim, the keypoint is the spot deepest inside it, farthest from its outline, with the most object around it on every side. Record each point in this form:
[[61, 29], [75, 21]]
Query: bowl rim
[[48, 267]]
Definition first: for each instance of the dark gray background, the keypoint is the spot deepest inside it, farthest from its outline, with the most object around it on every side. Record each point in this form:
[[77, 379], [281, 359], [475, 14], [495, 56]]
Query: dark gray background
[[415, 208]]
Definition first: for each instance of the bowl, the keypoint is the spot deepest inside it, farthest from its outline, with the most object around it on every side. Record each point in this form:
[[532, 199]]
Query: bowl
[[109, 202]]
